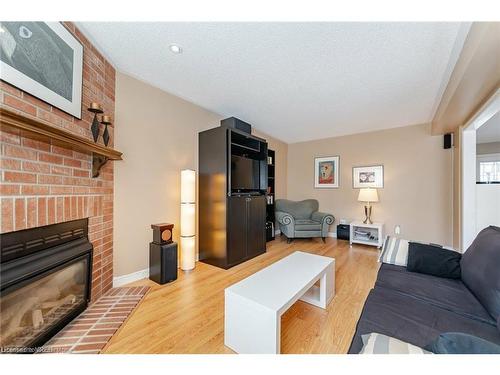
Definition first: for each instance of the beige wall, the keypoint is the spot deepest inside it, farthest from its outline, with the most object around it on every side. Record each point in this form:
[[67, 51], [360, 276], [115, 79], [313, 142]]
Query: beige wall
[[488, 148], [417, 191], [158, 137]]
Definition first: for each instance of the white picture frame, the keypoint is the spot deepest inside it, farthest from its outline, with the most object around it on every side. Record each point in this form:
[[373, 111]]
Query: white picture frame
[[54, 74], [368, 177], [326, 172]]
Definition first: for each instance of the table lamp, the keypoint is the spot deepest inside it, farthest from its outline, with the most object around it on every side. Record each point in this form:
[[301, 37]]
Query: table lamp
[[368, 195]]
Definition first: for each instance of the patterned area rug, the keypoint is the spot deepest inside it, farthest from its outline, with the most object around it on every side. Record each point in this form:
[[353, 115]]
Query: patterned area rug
[[91, 330]]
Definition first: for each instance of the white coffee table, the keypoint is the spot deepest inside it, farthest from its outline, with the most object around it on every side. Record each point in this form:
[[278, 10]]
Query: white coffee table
[[253, 306]]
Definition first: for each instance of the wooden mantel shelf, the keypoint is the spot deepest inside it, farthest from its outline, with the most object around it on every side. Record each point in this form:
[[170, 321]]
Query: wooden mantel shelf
[[100, 153]]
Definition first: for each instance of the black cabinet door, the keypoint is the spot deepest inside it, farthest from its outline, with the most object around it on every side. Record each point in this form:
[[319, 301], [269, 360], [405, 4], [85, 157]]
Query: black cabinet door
[[256, 208], [237, 234]]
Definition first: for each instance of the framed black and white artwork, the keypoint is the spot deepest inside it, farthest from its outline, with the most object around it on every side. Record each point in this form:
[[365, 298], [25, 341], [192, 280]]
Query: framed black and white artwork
[[368, 177], [45, 60]]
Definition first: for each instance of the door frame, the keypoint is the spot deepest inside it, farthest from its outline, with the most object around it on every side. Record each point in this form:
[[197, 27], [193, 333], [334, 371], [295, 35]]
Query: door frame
[[468, 168]]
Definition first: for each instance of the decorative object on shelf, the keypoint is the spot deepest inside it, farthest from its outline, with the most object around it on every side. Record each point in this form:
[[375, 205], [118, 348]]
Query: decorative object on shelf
[[368, 195], [188, 226], [95, 108], [106, 120], [45, 60], [162, 254], [326, 172], [368, 177]]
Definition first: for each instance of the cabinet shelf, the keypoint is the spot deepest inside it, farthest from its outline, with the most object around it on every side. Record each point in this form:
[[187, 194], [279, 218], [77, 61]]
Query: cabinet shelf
[[100, 154]]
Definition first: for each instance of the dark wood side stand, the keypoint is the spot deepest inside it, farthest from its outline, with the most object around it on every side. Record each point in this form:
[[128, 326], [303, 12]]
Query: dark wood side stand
[[100, 154]]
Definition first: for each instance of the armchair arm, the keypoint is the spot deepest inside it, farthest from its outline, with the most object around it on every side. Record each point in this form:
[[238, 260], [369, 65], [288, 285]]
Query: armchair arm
[[284, 218], [286, 223], [323, 218]]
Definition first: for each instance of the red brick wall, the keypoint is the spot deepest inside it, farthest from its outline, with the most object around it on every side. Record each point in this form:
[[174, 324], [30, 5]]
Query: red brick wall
[[42, 183]]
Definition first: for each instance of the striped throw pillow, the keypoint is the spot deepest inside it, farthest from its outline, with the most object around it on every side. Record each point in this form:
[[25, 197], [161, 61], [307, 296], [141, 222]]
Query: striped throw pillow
[[376, 343], [394, 251]]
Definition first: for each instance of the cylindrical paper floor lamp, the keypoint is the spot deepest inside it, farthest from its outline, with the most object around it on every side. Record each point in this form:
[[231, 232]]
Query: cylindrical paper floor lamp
[[188, 215]]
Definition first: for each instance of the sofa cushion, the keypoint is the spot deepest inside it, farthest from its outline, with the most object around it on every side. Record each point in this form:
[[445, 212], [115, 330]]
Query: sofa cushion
[[375, 343], [433, 260], [412, 320], [394, 251], [299, 210], [449, 294], [461, 343], [480, 269], [304, 224]]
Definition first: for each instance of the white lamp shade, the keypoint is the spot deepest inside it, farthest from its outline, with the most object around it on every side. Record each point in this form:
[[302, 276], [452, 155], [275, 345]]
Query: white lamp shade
[[187, 253], [188, 216], [188, 211], [368, 195], [188, 186]]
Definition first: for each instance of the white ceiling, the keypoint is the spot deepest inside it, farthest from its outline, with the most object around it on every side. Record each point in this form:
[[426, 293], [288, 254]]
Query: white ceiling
[[489, 132], [294, 81]]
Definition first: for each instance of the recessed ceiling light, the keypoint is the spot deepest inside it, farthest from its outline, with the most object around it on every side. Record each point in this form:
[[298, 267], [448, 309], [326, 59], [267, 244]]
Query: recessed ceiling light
[[175, 49]]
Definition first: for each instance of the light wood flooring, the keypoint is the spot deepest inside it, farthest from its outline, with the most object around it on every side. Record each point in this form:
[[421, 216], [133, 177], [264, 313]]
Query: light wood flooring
[[187, 316]]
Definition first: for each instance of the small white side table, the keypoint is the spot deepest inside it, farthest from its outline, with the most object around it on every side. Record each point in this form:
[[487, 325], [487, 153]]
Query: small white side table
[[375, 232]]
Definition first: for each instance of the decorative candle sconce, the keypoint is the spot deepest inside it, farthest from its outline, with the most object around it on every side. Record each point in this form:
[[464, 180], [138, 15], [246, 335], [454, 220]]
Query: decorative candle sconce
[[106, 120], [95, 108]]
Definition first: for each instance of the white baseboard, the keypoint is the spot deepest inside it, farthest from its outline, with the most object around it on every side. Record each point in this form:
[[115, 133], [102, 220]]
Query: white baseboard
[[277, 232], [134, 276]]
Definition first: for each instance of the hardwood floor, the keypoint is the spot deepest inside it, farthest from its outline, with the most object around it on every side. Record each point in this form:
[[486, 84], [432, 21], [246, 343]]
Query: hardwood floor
[[187, 316]]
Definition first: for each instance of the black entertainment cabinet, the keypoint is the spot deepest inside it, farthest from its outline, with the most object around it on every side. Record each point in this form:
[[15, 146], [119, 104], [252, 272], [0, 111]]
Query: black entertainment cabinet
[[232, 204]]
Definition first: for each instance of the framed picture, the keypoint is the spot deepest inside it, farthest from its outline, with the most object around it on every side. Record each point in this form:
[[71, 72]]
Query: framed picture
[[368, 177], [326, 172], [45, 60]]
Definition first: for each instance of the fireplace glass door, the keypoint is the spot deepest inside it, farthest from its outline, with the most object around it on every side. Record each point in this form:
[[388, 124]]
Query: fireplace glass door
[[42, 304]]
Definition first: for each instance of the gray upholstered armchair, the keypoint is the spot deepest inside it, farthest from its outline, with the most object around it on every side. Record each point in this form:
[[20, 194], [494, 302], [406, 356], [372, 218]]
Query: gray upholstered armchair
[[302, 219]]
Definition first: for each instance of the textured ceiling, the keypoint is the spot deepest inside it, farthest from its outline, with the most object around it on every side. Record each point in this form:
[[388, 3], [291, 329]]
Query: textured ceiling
[[489, 132], [294, 81]]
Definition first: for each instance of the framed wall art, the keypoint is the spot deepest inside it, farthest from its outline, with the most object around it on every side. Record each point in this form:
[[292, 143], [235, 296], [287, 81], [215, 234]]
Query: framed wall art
[[368, 177], [45, 60], [326, 172]]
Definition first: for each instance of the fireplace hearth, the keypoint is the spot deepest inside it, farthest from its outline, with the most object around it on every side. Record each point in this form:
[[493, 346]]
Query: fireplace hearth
[[45, 277]]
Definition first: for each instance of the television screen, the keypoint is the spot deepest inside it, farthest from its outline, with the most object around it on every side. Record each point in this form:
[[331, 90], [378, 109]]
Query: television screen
[[245, 173]]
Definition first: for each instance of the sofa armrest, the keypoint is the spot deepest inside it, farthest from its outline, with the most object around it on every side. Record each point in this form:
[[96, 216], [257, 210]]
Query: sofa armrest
[[323, 218], [284, 218]]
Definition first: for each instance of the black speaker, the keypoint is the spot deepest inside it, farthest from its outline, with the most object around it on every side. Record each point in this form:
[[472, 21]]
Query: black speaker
[[447, 141], [163, 262], [236, 123]]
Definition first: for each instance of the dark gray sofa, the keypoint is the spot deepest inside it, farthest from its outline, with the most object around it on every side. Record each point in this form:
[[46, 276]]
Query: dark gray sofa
[[417, 308]]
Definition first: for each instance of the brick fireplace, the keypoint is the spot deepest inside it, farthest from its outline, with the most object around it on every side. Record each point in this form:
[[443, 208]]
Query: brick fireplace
[[43, 183]]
